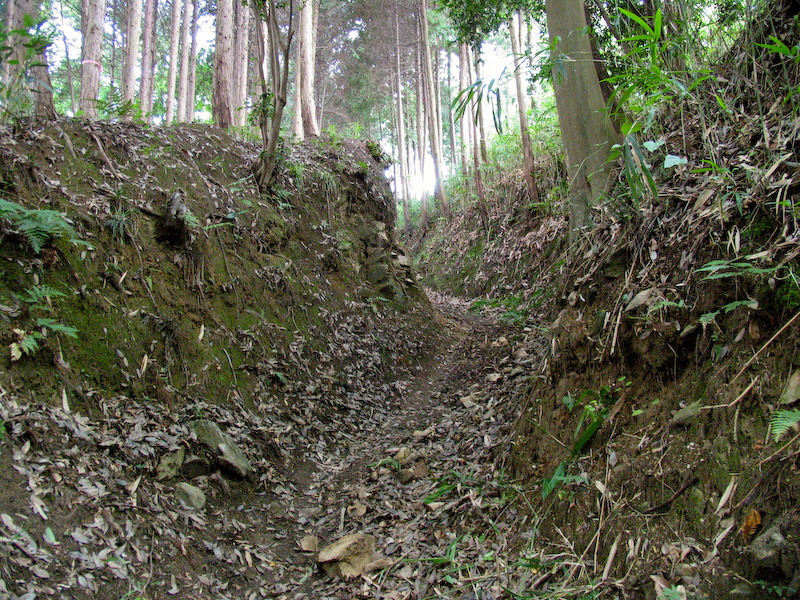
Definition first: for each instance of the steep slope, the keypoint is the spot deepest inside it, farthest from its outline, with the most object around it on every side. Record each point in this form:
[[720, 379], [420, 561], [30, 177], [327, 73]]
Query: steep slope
[[147, 289]]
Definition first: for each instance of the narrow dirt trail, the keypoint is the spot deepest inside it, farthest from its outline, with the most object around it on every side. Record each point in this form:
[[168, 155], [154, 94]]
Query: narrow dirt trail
[[421, 477], [85, 514]]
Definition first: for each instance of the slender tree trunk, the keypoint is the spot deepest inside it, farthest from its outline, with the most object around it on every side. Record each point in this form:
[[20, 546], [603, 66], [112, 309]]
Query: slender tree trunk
[[240, 57], [474, 112], [112, 67], [307, 52], [92, 13], [586, 129], [148, 60], [481, 113], [222, 92], [527, 149], [132, 38], [262, 41], [450, 118], [190, 87], [279, 74], [183, 77], [70, 82], [421, 134], [433, 123], [174, 53], [401, 127], [463, 83], [297, 110]]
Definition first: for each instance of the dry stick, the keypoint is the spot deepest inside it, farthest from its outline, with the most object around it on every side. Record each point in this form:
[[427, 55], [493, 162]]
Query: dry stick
[[611, 555], [738, 398], [782, 448], [769, 341], [104, 156]]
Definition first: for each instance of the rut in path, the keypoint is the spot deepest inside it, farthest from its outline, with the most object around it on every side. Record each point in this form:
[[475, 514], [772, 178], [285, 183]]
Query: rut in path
[[445, 491]]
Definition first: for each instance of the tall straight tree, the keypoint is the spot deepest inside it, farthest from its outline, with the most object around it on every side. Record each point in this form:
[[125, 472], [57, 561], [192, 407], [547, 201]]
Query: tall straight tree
[[434, 121], [401, 127], [92, 13], [586, 127], [146, 83], [522, 104], [190, 85], [240, 56], [421, 129], [183, 76], [463, 121], [132, 39], [304, 80], [174, 53], [222, 92]]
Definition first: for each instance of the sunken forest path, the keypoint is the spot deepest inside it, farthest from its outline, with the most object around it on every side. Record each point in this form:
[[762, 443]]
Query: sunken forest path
[[422, 477]]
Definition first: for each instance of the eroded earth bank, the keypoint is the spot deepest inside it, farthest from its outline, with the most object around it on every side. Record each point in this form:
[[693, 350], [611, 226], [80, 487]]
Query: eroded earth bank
[[209, 393]]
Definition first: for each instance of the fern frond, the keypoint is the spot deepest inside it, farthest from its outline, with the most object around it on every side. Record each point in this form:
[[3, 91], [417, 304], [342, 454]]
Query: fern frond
[[783, 421], [38, 226], [57, 327]]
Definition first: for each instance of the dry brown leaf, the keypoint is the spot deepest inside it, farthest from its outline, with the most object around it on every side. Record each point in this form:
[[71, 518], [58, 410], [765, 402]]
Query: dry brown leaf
[[751, 524]]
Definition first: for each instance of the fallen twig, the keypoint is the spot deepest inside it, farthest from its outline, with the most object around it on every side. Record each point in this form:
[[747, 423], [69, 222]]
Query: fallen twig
[[767, 343]]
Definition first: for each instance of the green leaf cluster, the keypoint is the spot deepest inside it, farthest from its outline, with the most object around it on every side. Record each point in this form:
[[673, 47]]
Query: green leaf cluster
[[38, 227]]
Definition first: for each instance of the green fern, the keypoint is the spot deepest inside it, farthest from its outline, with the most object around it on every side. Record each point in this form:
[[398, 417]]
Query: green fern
[[57, 327], [783, 421], [40, 296], [39, 226]]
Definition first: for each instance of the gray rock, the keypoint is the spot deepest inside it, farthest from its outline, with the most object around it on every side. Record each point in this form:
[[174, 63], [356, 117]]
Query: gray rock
[[222, 445], [377, 273], [191, 496], [767, 547]]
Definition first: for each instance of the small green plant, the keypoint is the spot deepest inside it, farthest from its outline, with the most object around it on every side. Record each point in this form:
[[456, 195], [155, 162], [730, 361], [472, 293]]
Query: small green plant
[[27, 341], [38, 227], [783, 421], [114, 106], [40, 298], [120, 223], [781, 591]]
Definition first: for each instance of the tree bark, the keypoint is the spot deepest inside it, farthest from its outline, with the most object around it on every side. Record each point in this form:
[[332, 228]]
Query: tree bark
[[222, 92], [132, 37], [402, 188], [174, 52], [297, 110], [240, 56], [481, 115], [434, 124], [183, 76], [190, 86], [421, 131], [586, 129], [278, 55], [463, 82], [522, 104], [307, 50], [92, 13], [148, 60]]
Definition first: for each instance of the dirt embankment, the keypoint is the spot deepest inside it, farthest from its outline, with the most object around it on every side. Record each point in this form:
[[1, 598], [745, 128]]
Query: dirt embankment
[[145, 286]]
